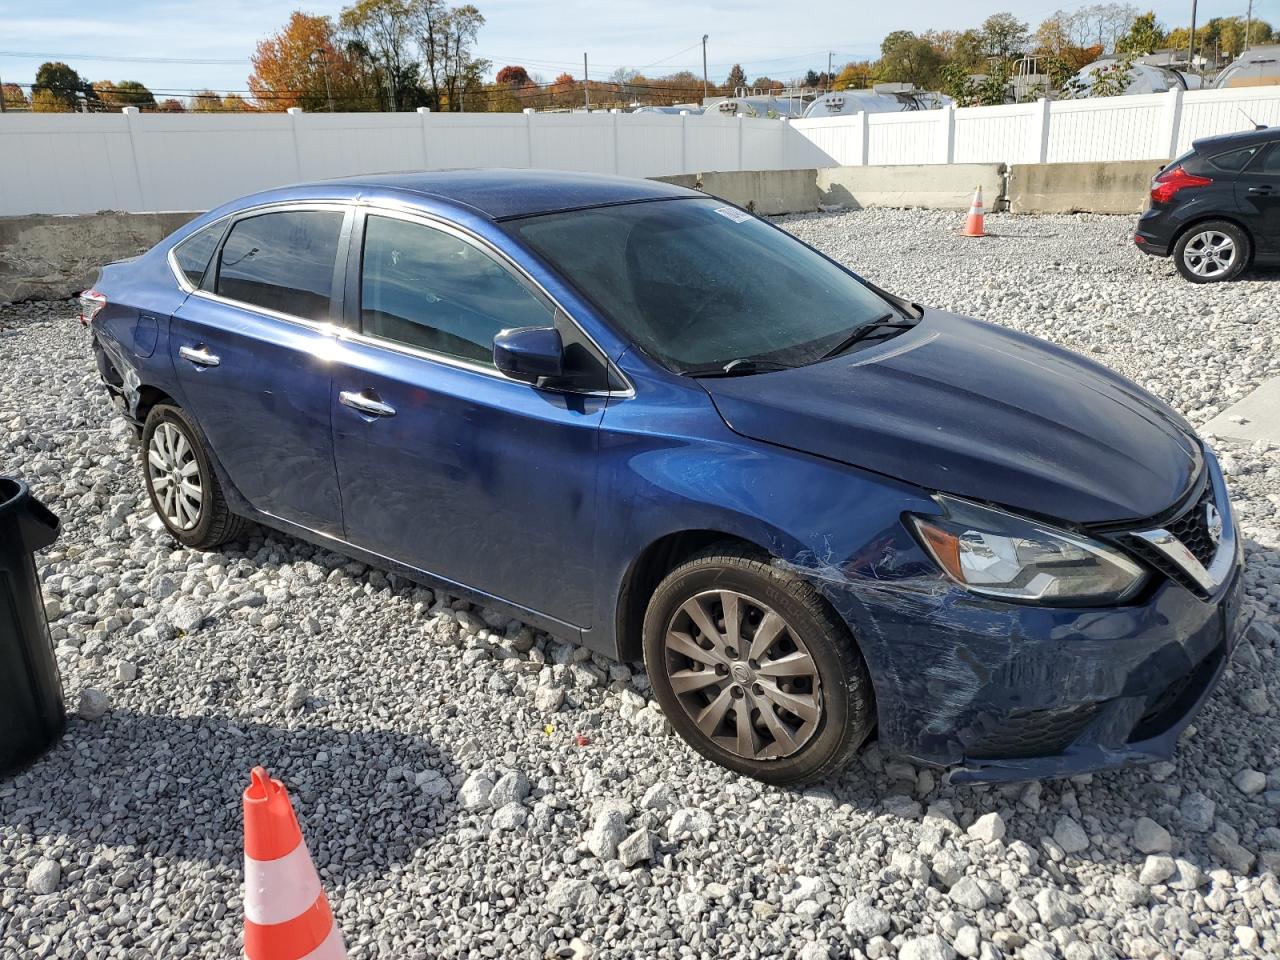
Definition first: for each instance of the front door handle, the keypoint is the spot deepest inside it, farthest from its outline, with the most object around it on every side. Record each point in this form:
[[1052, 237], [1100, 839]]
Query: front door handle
[[199, 355], [366, 405], [1264, 188]]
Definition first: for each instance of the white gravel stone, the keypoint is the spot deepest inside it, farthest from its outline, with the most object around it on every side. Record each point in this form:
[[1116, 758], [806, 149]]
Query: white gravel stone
[[967, 893], [44, 877], [987, 828], [93, 704], [1156, 869], [865, 920], [932, 947], [1070, 836], [688, 820], [967, 942], [1250, 782], [1150, 837], [608, 830], [636, 848]]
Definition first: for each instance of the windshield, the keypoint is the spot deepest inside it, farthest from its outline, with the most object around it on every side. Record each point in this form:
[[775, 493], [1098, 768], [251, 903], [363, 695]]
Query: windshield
[[698, 284]]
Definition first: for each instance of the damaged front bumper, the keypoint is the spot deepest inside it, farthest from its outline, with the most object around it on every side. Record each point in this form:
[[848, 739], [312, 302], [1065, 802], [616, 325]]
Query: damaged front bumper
[[1004, 692]]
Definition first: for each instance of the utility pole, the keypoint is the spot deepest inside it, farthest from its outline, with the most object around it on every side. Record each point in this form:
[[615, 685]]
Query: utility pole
[[586, 84], [828, 84], [1191, 44], [704, 68], [1248, 26]]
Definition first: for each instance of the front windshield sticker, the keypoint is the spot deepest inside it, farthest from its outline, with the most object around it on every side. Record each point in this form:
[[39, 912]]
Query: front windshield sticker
[[734, 214]]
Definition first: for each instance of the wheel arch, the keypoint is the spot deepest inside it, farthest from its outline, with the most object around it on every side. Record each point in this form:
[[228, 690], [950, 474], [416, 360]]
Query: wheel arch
[[647, 570]]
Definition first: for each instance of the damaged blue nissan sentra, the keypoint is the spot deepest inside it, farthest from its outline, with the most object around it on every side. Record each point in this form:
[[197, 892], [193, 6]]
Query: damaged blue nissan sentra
[[643, 419]]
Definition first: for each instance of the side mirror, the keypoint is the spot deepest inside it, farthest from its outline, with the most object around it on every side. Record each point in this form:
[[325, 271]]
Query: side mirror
[[529, 353]]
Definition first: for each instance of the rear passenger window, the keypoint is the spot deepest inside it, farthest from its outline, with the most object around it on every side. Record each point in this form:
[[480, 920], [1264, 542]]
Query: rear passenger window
[[428, 289], [194, 252], [283, 262], [1235, 161], [1271, 162]]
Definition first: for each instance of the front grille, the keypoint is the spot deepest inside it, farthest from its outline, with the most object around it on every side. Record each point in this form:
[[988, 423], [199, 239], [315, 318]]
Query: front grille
[[1189, 524], [1192, 528]]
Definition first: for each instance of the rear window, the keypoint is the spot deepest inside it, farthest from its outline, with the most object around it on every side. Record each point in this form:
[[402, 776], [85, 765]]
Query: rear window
[[194, 252], [1233, 161], [282, 262]]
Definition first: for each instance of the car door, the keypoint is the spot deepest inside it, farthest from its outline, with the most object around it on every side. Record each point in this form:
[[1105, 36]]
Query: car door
[[250, 349], [1258, 198], [443, 463]]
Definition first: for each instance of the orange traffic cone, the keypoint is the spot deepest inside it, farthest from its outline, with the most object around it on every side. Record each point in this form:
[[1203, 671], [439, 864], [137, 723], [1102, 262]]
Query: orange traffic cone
[[973, 226], [286, 914]]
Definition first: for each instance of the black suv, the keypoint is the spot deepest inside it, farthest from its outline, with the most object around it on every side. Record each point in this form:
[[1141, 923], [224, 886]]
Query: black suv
[[1217, 208]]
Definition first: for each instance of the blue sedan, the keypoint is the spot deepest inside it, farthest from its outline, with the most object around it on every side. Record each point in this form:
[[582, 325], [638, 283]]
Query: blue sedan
[[642, 419]]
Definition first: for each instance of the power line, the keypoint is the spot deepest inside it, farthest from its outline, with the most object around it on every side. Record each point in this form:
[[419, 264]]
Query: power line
[[22, 55]]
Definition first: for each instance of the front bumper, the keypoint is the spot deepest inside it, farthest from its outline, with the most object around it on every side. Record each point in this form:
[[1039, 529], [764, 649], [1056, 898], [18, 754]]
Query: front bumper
[[1006, 692]]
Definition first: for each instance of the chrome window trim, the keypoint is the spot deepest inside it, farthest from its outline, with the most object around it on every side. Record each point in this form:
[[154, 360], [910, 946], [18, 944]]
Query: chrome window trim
[[342, 333], [1223, 563], [435, 222]]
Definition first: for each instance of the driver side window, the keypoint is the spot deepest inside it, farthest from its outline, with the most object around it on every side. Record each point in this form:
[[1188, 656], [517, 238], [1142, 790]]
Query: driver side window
[[428, 289]]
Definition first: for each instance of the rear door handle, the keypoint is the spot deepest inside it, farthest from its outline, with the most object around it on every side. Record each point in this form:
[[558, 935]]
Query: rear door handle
[[1264, 188], [199, 355], [366, 405]]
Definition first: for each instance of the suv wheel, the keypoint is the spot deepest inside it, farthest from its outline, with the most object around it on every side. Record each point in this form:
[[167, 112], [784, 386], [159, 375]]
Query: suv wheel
[[1212, 251], [181, 483], [754, 670]]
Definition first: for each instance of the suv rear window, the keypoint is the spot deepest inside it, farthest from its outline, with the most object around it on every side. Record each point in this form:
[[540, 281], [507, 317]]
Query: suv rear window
[[1234, 161]]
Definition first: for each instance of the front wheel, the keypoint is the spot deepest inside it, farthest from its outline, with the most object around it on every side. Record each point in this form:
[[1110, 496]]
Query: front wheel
[[1212, 251], [754, 670], [180, 480]]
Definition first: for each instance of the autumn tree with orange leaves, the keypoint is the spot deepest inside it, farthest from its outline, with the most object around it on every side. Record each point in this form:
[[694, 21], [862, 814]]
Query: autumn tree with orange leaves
[[304, 66]]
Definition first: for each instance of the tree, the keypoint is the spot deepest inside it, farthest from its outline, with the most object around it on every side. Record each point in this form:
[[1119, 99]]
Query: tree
[[854, 76], [304, 64], [170, 105], [1005, 35], [907, 58], [1144, 36], [513, 76], [385, 32], [1231, 34], [14, 98], [737, 79], [57, 82], [206, 101], [126, 93]]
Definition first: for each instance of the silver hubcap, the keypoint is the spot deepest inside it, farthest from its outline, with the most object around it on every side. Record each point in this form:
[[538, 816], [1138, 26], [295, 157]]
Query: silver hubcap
[[175, 476], [1209, 254], [742, 675]]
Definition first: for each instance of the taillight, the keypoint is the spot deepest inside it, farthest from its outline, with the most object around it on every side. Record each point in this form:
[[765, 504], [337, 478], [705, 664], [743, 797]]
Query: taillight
[[91, 304], [1168, 183]]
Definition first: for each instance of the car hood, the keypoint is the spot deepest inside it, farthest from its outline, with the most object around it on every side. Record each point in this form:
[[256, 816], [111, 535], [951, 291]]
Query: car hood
[[979, 411]]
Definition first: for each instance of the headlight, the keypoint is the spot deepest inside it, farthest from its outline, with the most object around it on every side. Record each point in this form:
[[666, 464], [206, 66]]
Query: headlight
[[1003, 555]]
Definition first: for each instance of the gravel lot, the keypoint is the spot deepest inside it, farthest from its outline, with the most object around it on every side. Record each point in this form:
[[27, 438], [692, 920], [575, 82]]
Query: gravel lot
[[471, 789]]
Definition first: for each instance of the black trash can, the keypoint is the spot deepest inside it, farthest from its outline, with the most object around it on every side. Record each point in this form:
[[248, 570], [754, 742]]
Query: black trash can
[[31, 712]]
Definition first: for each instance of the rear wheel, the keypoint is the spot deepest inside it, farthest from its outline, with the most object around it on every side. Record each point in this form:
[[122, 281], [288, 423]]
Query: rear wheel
[[754, 670], [1212, 251], [180, 480]]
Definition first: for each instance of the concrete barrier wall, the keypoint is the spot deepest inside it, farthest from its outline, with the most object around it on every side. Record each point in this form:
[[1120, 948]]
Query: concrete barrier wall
[[766, 192], [1119, 187], [933, 186], [50, 257]]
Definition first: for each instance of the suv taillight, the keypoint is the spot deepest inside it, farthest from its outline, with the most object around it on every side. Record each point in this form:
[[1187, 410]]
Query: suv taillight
[[1169, 182], [91, 304]]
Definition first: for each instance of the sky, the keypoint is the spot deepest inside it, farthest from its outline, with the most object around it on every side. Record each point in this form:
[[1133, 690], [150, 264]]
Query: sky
[[653, 36]]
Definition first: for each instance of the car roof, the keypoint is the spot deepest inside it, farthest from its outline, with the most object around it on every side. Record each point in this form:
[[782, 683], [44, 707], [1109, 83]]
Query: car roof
[[1225, 141], [502, 194]]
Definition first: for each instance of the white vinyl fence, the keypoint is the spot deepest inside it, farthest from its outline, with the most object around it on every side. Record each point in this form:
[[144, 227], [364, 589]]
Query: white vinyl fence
[[1149, 127], [81, 163]]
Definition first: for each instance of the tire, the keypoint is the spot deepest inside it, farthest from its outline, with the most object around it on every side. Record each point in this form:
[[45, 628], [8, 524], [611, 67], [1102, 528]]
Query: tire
[[172, 443], [1212, 251], [810, 748]]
